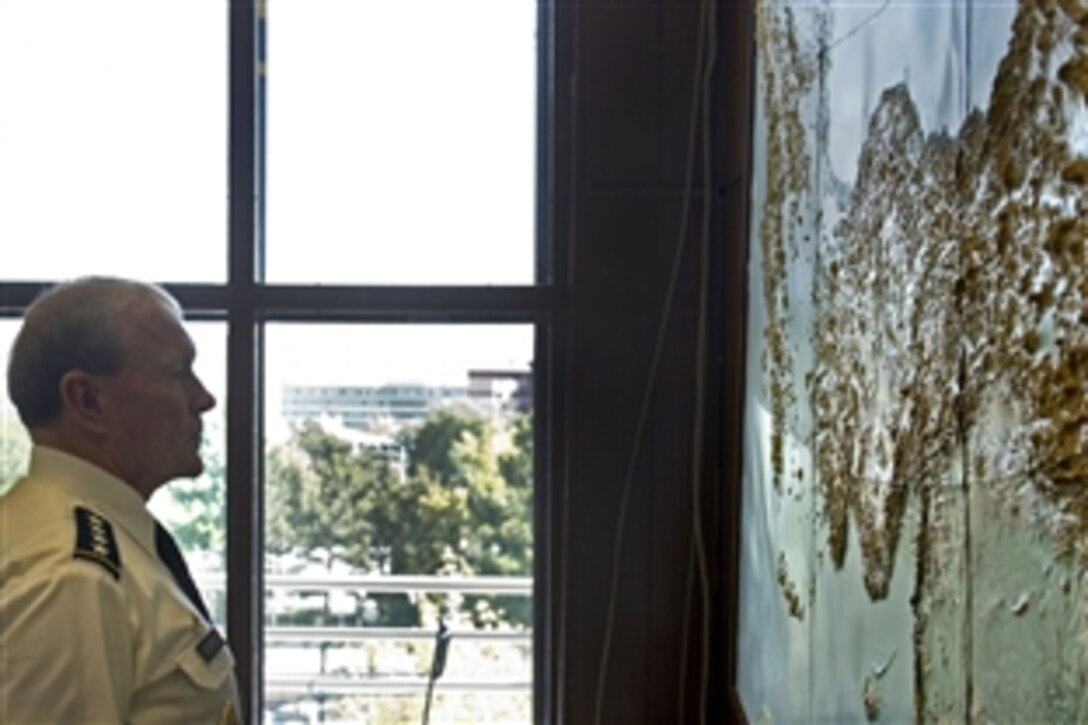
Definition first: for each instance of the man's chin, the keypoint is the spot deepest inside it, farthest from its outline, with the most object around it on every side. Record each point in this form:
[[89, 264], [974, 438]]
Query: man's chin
[[191, 469]]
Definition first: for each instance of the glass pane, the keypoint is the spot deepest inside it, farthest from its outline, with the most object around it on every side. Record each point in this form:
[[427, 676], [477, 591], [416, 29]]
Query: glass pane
[[399, 495], [14, 441], [113, 139], [401, 141]]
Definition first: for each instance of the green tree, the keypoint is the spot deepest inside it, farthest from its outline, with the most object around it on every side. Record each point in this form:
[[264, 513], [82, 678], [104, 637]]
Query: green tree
[[322, 496], [431, 445], [500, 540], [202, 524], [14, 450], [475, 499], [331, 501], [463, 505]]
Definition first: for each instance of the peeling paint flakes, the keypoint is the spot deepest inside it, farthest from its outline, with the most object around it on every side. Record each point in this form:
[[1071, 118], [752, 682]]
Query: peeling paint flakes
[[789, 591], [951, 310]]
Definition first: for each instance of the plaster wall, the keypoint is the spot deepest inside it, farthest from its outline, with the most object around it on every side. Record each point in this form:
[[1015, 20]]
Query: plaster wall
[[915, 503]]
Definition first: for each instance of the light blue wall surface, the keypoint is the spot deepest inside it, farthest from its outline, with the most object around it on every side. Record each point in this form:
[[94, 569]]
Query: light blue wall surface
[[869, 185]]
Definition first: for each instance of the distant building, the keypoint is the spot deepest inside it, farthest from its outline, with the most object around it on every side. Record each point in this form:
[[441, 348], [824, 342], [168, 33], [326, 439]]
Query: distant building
[[387, 407], [501, 391]]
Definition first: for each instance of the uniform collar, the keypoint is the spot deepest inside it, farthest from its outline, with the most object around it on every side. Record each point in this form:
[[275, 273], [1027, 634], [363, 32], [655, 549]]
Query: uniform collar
[[105, 493]]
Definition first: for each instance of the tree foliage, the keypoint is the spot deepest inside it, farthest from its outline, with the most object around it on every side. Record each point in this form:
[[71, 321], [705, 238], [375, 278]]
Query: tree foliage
[[322, 494], [14, 450], [462, 505], [203, 501]]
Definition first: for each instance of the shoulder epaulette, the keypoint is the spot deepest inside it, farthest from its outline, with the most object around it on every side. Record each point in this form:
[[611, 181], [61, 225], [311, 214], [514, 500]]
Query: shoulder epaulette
[[95, 541]]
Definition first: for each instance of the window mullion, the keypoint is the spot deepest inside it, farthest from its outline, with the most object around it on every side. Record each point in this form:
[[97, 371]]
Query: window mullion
[[244, 348]]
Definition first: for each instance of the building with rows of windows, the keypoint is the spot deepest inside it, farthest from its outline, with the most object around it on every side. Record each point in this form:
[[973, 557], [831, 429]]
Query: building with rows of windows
[[389, 408]]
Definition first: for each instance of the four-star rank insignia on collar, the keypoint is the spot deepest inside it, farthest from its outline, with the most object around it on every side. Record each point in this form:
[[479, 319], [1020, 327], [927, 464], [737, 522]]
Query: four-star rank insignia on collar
[[95, 541]]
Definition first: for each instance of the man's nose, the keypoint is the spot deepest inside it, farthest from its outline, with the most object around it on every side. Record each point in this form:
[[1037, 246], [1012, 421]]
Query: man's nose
[[205, 401]]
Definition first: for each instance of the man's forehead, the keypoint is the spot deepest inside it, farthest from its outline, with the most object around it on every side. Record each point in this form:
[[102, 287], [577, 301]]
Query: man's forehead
[[155, 320]]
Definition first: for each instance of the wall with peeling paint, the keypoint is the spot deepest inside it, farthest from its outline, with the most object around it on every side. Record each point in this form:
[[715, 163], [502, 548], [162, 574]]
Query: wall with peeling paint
[[915, 516]]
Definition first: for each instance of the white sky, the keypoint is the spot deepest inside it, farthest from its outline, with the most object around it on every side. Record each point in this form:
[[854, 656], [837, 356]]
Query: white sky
[[401, 149], [401, 140]]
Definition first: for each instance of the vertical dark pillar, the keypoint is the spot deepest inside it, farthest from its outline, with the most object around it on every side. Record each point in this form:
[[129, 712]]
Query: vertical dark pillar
[[626, 178], [244, 519]]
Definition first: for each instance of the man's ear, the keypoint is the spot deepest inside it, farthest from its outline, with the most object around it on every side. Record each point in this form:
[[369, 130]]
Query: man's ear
[[82, 396]]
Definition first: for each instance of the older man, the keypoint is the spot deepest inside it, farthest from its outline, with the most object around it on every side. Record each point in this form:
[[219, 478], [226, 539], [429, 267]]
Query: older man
[[99, 617]]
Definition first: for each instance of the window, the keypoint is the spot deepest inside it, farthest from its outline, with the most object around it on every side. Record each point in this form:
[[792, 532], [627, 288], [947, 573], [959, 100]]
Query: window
[[360, 190], [111, 132], [380, 525], [405, 130]]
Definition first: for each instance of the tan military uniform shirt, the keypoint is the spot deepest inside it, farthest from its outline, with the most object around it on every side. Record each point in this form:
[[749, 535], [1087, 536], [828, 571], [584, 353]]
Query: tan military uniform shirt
[[93, 627]]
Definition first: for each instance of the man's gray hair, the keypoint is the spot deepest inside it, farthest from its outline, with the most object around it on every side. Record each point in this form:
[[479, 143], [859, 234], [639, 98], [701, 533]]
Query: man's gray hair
[[73, 326]]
